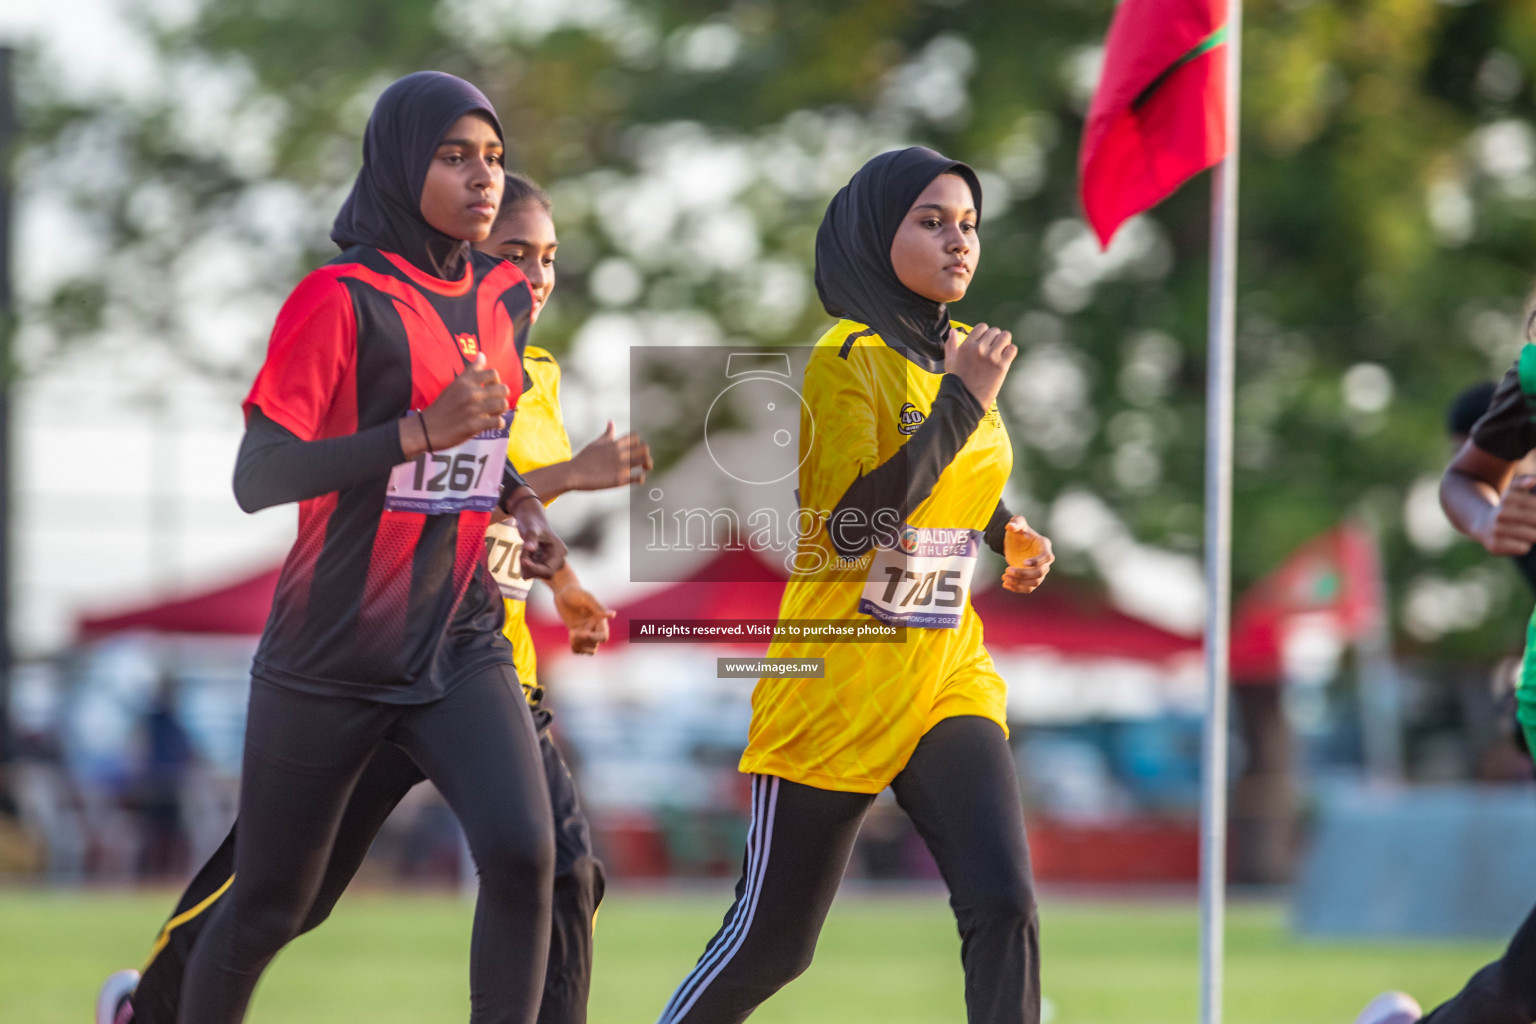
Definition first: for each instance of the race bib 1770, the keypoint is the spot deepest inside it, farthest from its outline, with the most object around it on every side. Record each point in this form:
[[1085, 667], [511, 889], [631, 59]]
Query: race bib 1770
[[924, 580], [464, 477], [504, 556]]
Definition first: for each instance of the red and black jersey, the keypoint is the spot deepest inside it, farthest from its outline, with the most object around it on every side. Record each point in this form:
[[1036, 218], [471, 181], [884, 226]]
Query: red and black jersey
[[376, 601]]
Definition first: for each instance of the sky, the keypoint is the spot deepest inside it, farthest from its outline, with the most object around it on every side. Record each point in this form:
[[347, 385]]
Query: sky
[[116, 502]]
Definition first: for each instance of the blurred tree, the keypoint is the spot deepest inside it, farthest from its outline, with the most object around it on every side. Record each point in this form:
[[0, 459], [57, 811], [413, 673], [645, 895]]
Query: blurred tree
[[1388, 223]]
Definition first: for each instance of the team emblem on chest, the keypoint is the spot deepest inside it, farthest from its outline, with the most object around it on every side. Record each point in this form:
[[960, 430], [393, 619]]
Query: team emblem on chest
[[911, 417], [469, 345]]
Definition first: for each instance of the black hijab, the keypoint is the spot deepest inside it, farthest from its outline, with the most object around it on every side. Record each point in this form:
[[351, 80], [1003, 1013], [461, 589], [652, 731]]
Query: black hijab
[[384, 210], [854, 276]]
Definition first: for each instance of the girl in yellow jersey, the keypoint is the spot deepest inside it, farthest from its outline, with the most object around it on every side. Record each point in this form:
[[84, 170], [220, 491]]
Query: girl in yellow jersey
[[904, 458], [524, 234]]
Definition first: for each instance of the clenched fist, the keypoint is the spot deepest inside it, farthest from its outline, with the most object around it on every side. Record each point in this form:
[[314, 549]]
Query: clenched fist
[[982, 361], [476, 401]]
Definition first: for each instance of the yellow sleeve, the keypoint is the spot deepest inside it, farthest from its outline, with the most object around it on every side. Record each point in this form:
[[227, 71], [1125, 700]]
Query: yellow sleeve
[[557, 415], [538, 436], [840, 424]]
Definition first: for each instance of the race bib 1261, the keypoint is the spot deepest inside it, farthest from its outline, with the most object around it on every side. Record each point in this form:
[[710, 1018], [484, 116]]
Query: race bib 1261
[[464, 477], [504, 556], [924, 580]]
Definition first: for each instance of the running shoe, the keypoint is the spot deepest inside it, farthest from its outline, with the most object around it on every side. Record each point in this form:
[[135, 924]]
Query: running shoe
[[113, 1005], [1390, 1008]]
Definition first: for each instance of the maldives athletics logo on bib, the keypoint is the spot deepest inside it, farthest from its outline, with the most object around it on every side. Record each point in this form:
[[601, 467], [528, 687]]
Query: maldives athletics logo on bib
[[468, 344]]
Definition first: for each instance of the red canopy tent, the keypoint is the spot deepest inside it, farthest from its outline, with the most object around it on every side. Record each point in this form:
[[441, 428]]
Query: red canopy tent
[[1069, 618], [1065, 616], [1074, 619], [238, 609]]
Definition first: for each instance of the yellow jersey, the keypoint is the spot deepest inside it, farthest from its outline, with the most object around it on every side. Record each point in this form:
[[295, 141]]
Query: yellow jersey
[[855, 729], [538, 439]]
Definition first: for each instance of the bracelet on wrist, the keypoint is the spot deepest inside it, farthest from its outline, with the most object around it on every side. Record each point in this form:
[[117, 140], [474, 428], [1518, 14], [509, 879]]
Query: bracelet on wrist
[[424, 435], [516, 498]]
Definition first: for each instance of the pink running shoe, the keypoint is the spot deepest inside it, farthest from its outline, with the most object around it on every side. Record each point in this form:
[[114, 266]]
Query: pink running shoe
[[113, 1005], [1390, 1008]]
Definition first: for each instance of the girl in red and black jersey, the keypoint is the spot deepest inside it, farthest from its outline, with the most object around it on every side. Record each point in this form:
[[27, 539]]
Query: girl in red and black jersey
[[382, 408], [524, 233]]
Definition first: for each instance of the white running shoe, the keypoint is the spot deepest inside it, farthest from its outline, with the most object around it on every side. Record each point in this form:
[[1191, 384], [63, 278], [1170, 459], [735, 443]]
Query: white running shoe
[[1391, 1008], [112, 1005]]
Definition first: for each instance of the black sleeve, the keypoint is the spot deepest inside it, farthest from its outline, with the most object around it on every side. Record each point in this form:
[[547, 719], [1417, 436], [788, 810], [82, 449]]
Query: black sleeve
[[275, 466], [1506, 430], [511, 480], [904, 481], [1526, 563], [997, 527]]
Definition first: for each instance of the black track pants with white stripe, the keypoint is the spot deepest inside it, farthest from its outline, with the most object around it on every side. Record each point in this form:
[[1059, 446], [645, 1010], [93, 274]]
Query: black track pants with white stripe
[[960, 791]]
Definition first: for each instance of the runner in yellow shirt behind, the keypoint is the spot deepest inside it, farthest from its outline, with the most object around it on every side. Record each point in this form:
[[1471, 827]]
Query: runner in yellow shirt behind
[[524, 234]]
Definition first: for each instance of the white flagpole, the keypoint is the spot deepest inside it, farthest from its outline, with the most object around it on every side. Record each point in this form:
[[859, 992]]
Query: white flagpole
[[1218, 541]]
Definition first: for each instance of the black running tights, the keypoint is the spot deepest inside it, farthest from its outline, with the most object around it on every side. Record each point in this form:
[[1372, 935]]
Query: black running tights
[[303, 756]]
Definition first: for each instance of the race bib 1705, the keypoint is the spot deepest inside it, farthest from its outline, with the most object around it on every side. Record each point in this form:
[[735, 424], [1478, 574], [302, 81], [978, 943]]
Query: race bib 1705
[[504, 555], [924, 580], [464, 477]]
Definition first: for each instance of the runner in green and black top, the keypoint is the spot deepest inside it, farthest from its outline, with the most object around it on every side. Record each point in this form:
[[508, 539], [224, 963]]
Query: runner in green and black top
[[1486, 500], [1465, 410]]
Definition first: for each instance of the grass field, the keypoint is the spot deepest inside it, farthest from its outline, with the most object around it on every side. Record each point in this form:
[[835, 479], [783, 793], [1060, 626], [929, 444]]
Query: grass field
[[893, 959]]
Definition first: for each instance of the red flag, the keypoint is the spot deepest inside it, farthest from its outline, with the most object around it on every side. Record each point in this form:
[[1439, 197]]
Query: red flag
[[1159, 116], [1337, 574]]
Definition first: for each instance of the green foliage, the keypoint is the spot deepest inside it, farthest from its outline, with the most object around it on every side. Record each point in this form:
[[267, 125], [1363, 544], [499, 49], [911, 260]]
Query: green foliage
[[1388, 196]]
